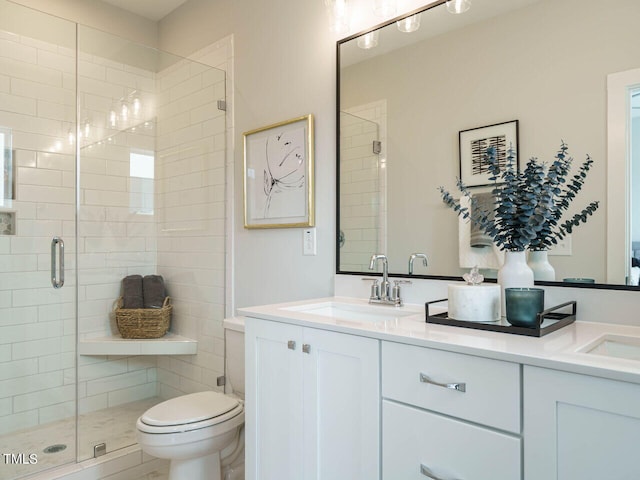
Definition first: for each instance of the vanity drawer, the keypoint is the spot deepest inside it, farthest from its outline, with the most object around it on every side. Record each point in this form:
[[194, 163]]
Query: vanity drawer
[[416, 444], [488, 391]]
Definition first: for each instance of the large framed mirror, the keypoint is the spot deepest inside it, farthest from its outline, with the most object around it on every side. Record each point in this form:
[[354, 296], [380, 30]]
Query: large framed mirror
[[565, 70]]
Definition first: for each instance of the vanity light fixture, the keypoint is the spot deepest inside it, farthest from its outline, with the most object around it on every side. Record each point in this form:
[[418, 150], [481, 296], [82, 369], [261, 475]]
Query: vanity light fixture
[[369, 40], [385, 8], [339, 15], [458, 6], [409, 24]]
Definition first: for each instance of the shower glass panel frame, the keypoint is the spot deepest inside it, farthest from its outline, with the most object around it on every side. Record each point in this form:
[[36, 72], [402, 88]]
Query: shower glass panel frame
[[117, 149]]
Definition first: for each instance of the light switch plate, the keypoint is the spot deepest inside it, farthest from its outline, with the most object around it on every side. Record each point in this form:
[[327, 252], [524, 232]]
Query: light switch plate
[[309, 241]]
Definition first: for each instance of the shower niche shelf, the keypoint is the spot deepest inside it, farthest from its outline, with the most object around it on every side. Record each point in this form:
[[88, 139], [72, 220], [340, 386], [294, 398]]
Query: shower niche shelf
[[170, 344]]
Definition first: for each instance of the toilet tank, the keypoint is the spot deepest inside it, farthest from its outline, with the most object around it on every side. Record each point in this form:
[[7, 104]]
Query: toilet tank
[[234, 355]]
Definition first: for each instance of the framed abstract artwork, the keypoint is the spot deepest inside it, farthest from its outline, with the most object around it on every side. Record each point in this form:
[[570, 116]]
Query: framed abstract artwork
[[279, 175], [474, 143]]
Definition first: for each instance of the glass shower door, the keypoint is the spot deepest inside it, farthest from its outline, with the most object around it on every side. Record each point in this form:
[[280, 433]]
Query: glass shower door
[[37, 241]]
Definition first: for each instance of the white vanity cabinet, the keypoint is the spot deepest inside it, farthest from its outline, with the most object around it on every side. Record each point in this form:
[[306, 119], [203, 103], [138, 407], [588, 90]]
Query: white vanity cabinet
[[449, 416], [578, 427], [312, 404]]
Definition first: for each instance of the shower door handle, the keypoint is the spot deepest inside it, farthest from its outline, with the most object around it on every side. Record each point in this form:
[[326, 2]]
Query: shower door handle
[[57, 267]]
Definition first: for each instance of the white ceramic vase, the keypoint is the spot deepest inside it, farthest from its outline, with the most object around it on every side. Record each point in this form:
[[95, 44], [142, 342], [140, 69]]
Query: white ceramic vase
[[538, 261], [514, 273]]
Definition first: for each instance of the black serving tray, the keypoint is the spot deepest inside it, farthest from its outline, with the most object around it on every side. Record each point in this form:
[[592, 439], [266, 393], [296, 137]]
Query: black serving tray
[[548, 321]]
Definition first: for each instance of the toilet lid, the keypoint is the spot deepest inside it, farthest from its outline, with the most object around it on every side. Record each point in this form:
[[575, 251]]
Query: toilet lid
[[191, 408]]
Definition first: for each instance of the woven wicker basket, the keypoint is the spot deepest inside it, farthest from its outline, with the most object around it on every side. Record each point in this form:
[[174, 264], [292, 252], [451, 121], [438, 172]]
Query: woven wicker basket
[[143, 322]]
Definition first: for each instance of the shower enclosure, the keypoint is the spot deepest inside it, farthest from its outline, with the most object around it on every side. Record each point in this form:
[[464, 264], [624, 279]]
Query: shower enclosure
[[113, 164]]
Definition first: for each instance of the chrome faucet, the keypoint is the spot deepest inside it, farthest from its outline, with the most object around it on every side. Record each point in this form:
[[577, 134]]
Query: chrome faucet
[[384, 287], [413, 257], [382, 293]]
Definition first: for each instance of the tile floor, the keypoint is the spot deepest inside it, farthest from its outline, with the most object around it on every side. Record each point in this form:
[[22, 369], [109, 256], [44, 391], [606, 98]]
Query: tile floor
[[114, 426]]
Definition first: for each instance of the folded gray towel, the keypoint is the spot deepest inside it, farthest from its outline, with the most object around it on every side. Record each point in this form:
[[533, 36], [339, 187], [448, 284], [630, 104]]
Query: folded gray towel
[[132, 292], [153, 291]]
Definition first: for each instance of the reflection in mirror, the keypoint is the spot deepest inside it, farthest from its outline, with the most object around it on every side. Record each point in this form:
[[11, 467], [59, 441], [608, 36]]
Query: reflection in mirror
[[545, 63]]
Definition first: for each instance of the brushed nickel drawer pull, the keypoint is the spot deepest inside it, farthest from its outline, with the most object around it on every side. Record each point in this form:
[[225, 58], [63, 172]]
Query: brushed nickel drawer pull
[[460, 387], [291, 345], [428, 473], [306, 348]]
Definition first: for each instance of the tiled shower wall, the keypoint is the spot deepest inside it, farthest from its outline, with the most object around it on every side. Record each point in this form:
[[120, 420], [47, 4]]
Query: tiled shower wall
[[183, 240]]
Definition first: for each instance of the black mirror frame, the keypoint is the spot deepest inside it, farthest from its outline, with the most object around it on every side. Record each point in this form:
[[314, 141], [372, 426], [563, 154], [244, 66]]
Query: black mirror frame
[[600, 286]]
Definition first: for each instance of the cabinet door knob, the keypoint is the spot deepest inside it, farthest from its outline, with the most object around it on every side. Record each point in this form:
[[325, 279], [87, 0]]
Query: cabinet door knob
[[306, 348], [428, 473], [460, 387], [291, 345]]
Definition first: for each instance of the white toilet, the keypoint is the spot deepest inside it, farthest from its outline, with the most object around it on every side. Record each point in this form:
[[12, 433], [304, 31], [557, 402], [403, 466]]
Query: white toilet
[[201, 433]]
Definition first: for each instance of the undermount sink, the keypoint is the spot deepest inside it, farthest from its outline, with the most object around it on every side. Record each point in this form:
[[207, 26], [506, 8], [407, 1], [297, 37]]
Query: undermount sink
[[353, 312], [618, 346]]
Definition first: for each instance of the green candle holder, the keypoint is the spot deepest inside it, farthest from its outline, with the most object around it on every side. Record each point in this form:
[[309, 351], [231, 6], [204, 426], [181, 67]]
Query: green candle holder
[[523, 306]]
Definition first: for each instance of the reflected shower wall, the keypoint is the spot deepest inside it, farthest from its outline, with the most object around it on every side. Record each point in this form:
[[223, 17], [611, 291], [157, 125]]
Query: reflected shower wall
[[362, 210]]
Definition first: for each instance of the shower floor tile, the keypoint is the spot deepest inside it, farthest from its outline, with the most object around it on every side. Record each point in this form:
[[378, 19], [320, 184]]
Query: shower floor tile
[[114, 426]]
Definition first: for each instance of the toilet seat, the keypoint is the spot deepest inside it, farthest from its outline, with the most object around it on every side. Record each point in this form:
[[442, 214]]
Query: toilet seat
[[190, 412]]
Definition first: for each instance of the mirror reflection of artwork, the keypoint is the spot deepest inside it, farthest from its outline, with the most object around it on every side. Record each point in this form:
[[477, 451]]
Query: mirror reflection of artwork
[[279, 175], [474, 171], [479, 147]]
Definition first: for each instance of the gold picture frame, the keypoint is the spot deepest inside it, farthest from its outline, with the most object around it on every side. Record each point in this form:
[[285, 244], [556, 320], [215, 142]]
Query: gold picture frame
[[279, 175]]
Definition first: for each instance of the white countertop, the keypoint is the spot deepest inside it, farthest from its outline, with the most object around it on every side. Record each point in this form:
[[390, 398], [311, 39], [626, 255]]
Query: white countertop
[[558, 350]]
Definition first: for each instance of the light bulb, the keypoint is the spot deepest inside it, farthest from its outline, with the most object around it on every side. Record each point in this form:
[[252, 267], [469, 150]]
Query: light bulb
[[368, 40], [124, 112], [409, 24], [458, 6], [136, 106], [113, 118]]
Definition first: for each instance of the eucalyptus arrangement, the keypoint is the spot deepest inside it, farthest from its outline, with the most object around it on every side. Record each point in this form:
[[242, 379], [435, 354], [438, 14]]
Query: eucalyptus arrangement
[[530, 203]]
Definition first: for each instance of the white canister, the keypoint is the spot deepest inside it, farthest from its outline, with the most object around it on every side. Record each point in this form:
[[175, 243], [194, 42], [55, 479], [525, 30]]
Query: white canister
[[474, 303]]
